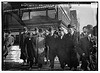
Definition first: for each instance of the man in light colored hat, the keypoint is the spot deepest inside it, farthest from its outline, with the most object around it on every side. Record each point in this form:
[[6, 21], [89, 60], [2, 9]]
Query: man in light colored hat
[[40, 48]]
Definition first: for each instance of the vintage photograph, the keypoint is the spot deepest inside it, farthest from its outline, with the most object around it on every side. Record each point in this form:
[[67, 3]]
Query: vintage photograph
[[49, 36]]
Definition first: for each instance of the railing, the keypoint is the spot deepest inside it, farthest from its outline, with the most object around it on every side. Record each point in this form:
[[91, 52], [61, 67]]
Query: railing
[[30, 8]]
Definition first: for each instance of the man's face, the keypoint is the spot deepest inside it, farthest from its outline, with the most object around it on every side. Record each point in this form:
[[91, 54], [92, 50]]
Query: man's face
[[69, 30], [47, 32], [84, 30], [90, 31]]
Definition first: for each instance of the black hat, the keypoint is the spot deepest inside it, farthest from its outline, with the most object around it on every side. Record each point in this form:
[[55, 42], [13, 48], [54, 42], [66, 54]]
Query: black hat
[[70, 26], [89, 26], [28, 33], [50, 29], [35, 29], [40, 30], [60, 29]]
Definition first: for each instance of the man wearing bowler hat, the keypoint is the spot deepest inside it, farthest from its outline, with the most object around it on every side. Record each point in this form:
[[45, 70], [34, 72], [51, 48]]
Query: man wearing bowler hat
[[73, 63], [22, 39]]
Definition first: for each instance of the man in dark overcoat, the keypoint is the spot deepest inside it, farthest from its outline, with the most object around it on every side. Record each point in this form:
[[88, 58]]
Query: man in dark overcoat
[[83, 48], [70, 43], [22, 39], [29, 46]]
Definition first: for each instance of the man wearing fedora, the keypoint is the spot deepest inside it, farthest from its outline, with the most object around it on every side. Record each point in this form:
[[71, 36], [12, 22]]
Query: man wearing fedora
[[70, 44], [84, 47], [22, 39]]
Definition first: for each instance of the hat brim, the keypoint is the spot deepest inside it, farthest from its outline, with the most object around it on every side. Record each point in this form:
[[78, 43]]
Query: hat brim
[[70, 26]]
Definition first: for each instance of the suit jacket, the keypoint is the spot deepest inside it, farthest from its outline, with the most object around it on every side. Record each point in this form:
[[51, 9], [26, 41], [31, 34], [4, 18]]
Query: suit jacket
[[22, 39], [28, 45], [69, 45], [75, 38], [84, 46]]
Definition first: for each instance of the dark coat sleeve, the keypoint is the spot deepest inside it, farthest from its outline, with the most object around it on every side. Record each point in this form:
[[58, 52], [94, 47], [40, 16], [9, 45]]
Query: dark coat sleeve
[[34, 42], [78, 48], [25, 43]]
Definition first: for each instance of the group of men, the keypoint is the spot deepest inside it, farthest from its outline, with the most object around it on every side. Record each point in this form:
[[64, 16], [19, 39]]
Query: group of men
[[72, 49], [32, 46], [87, 47]]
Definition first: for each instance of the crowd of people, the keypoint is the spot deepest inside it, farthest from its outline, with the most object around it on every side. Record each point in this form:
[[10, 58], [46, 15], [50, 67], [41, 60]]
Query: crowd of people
[[39, 47]]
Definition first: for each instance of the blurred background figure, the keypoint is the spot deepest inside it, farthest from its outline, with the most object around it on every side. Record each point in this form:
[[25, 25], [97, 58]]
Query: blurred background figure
[[84, 33], [95, 33], [89, 29], [85, 47], [8, 43]]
